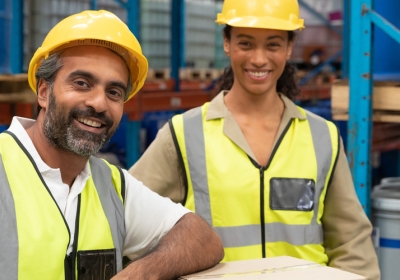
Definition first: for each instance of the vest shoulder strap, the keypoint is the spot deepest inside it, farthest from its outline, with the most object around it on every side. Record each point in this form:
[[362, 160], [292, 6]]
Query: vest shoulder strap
[[111, 200]]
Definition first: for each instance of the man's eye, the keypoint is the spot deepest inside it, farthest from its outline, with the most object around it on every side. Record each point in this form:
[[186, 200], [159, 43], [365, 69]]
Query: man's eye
[[82, 83], [115, 94]]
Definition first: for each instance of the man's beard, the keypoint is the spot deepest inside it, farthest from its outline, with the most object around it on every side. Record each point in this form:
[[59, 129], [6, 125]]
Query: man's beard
[[64, 135]]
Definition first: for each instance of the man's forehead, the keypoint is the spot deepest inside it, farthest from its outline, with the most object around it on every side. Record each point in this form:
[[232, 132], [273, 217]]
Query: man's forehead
[[93, 56], [93, 62], [88, 51]]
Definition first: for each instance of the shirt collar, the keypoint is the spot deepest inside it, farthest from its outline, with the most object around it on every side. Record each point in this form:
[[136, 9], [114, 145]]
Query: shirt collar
[[18, 128], [217, 108]]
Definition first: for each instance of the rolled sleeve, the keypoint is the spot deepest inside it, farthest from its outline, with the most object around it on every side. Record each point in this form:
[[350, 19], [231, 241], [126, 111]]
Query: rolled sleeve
[[347, 230], [148, 217], [159, 168]]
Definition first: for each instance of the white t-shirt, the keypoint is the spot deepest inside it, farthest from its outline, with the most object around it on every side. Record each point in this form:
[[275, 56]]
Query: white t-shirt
[[148, 216]]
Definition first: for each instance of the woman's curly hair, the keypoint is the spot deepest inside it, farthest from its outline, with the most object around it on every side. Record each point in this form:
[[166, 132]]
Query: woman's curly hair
[[286, 84]]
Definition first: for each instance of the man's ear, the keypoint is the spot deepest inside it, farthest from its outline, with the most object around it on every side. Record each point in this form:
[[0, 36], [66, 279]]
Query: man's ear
[[43, 93]]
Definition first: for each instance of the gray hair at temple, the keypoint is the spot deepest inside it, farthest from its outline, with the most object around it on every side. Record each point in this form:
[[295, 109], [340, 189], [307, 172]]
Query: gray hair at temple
[[49, 68]]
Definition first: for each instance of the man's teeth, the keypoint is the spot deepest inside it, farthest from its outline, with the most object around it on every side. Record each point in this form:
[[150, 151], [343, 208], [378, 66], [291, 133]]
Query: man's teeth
[[258, 74], [89, 122]]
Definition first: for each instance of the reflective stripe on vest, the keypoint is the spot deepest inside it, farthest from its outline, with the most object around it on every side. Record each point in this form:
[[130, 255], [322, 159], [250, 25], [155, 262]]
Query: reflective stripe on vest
[[8, 229], [113, 208], [248, 235], [99, 184]]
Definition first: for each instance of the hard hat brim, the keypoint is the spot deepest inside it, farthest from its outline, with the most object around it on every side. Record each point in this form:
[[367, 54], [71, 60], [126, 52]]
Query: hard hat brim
[[265, 22]]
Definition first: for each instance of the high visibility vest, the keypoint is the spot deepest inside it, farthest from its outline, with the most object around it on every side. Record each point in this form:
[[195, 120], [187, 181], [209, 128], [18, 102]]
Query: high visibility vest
[[259, 211], [34, 234]]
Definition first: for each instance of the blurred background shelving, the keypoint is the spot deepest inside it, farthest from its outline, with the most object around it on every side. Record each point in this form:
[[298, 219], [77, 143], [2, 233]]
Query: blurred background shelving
[[347, 59]]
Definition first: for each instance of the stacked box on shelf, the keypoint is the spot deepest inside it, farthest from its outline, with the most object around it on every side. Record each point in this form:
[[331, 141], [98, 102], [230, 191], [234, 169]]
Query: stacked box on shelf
[[317, 38], [220, 59], [5, 42], [155, 32], [199, 33], [42, 15]]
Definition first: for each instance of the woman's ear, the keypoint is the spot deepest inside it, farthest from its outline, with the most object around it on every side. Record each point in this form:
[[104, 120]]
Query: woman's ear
[[227, 46], [289, 49], [43, 93]]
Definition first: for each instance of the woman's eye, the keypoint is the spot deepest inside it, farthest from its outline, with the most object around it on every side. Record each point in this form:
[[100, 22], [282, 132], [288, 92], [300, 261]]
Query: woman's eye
[[245, 44], [274, 45]]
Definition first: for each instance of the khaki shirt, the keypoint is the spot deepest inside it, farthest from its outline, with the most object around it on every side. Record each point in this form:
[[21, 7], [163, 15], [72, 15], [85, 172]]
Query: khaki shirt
[[347, 230]]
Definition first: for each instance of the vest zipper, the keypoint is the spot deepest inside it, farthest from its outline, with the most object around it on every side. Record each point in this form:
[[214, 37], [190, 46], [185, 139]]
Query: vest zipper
[[262, 216], [262, 187]]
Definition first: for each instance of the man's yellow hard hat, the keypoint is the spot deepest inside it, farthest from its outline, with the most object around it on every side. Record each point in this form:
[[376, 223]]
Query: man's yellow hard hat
[[100, 28], [269, 14]]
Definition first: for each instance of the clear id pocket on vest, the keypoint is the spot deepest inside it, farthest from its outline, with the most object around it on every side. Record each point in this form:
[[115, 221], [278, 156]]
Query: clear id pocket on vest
[[97, 264], [292, 194]]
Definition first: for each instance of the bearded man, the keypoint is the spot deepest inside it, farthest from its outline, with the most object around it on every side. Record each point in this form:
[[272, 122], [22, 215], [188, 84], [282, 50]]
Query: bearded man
[[65, 214]]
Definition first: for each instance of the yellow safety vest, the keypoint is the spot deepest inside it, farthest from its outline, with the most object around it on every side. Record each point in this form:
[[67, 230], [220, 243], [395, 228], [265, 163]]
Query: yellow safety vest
[[34, 234], [259, 211]]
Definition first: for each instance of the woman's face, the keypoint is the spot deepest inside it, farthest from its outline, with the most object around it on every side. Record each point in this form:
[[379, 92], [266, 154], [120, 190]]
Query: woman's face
[[258, 57]]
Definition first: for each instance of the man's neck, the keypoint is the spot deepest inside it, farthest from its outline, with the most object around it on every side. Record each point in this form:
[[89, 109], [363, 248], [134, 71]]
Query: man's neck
[[70, 165]]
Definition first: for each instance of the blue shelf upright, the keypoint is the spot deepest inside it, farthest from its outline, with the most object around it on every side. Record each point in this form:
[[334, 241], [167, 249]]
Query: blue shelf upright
[[177, 39], [133, 127], [11, 42], [362, 18]]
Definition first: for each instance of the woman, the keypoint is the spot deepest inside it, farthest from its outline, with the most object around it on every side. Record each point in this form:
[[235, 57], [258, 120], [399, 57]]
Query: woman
[[270, 177]]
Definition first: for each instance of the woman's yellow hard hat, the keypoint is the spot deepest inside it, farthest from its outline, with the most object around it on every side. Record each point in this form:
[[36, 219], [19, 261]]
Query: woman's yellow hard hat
[[269, 14], [100, 28]]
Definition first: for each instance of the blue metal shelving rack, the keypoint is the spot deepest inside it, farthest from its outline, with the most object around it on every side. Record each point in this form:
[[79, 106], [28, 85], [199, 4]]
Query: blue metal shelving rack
[[16, 39], [133, 127], [362, 17]]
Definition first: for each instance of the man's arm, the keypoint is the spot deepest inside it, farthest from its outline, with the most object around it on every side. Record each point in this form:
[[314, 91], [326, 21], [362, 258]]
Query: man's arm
[[190, 246]]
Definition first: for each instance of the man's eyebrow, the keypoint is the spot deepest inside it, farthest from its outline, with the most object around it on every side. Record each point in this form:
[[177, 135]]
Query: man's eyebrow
[[88, 75], [119, 84], [81, 73]]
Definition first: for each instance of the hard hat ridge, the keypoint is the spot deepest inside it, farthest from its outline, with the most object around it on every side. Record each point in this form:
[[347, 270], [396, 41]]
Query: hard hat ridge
[[100, 28], [269, 14]]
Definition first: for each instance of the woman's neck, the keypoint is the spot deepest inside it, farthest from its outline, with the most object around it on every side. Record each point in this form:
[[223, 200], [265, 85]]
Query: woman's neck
[[259, 105]]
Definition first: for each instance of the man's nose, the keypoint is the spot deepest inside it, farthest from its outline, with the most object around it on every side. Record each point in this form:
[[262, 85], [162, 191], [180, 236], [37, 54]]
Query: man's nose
[[97, 99]]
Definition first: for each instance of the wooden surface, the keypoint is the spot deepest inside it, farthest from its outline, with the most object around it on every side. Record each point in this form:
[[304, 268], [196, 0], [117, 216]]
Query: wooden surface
[[386, 96], [378, 116], [386, 101], [15, 89]]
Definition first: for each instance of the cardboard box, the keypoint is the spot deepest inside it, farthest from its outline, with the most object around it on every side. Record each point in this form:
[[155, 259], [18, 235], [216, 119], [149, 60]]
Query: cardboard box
[[279, 268]]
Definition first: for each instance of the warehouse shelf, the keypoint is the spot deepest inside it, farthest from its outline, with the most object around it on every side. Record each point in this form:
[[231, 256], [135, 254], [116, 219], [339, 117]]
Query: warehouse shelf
[[362, 18]]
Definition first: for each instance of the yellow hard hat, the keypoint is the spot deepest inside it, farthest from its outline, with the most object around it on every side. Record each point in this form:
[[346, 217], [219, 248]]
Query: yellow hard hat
[[270, 14], [100, 28]]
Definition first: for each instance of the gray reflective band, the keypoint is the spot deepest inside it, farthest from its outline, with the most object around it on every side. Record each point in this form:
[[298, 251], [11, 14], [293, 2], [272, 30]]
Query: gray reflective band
[[195, 149], [8, 230], [323, 152], [251, 234], [112, 204]]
